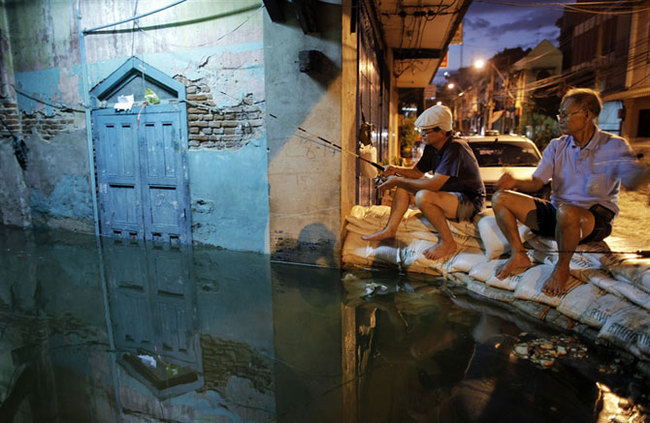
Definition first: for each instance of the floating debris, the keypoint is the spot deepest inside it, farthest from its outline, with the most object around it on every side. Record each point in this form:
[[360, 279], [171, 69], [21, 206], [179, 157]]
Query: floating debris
[[544, 352]]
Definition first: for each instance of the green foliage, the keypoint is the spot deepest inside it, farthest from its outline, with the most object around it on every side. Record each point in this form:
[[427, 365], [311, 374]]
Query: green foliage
[[544, 127], [408, 135]]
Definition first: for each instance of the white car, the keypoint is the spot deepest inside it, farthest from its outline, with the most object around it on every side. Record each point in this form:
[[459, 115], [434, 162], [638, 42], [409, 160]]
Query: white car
[[497, 154]]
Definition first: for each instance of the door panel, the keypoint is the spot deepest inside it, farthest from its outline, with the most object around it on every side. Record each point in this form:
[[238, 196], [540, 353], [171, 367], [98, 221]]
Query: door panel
[[162, 178], [142, 175], [117, 176]]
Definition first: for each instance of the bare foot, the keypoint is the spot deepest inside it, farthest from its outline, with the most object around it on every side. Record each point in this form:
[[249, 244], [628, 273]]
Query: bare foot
[[378, 236], [516, 264], [557, 282], [440, 251]]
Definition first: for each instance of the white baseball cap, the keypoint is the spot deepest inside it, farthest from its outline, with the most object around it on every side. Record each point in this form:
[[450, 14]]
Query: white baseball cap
[[437, 115]]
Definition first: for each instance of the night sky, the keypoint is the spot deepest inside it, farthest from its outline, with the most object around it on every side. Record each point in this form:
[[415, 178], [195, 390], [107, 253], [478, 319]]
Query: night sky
[[493, 25]]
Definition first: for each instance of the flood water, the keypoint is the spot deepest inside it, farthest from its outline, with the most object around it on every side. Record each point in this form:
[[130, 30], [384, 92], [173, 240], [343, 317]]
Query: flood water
[[108, 332]]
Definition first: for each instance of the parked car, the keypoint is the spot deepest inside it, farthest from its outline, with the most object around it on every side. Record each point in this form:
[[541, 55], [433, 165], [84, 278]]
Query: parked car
[[497, 154]]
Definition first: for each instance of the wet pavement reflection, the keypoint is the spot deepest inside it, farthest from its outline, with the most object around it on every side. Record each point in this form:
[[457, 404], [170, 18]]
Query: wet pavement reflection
[[103, 331]]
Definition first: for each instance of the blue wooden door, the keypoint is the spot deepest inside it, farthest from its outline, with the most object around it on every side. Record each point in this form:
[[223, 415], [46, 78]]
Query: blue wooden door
[[142, 177]]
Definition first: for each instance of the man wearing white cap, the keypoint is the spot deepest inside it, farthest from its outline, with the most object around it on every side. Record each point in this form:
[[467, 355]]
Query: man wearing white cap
[[456, 190]]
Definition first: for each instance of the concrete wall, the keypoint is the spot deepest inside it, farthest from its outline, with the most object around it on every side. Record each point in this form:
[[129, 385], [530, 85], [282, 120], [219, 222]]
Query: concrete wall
[[304, 176], [216, 47]]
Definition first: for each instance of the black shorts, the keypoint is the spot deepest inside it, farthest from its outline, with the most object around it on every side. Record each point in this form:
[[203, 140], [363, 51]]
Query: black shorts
[[547, 220]]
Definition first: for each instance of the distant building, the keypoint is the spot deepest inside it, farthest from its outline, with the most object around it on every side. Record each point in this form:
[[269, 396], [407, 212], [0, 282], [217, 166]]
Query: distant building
[[536, 76], [605, 47]]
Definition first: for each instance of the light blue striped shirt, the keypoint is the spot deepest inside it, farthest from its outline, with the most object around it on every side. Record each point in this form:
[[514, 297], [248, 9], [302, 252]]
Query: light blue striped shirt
[[589, 175]]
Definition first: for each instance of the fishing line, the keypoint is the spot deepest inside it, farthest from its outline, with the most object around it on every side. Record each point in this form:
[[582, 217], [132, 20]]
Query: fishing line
[[378, 166], [641, 253]]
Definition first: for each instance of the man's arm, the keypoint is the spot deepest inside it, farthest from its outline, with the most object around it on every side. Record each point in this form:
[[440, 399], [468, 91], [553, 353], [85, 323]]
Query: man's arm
[[411, 184], [408, 172], [507, 181]]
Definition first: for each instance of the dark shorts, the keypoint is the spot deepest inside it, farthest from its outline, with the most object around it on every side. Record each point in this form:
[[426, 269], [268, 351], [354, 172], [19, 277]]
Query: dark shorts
[[547, 220], [468, 206]]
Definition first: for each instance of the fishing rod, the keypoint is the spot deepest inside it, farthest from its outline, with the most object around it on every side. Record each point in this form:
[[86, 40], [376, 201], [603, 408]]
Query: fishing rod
[[378, 166], [370, 162], [640, 253]]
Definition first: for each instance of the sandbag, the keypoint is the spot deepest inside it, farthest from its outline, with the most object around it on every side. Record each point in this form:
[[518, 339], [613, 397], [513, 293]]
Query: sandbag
[[482, 289], [494, 241], [360, 253], [602, 309], [483, 271], [464, 260], [531, 308], [510, 283], [624, 327], [374, 218], [628, 269], [643, 340], [578, 300], [632, 294], [531, 284], [598, 278]]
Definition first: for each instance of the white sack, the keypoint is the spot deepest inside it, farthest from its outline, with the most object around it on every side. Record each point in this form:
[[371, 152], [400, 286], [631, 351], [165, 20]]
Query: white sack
[[494, 241], [576, 302], [483, 271], [623, 328], [600, 310], [531, 284]]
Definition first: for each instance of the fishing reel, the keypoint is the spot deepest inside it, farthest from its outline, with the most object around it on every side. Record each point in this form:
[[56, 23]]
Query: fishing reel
[[380, 179]]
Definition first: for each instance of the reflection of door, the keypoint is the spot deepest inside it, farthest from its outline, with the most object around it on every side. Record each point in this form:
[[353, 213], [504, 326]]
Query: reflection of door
[[141, 163], [141, 180], [152, 303]]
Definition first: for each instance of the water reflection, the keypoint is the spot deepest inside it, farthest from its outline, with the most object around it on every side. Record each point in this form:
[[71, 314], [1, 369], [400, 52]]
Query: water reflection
[[115, 331]]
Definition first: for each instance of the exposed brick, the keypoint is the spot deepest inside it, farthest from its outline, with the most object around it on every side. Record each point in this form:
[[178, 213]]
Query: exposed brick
[[256, 122], [230, 138], [194, 130], [194, 116], [197, 110], [218, 116], [193, 143], [191, 89], [215, 124], [230, 124], [198, 124], [230, 131], [199, 137], [196, 97], [229, 116], [206, 131], [215, 137]]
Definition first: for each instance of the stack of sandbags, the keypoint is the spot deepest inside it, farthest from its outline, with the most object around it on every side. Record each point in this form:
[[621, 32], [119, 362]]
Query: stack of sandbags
[[608, 296], [414, 235]]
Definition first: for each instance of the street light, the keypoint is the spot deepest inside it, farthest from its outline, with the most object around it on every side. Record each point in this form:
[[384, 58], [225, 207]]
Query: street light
[[457, 113]]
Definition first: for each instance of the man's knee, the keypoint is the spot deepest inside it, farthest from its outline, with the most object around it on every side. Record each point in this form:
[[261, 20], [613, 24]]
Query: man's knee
[[568, 215], [424, 197], [501, 200]]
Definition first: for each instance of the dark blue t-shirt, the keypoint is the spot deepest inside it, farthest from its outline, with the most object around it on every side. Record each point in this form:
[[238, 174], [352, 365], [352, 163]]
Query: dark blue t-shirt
[[456, 160]]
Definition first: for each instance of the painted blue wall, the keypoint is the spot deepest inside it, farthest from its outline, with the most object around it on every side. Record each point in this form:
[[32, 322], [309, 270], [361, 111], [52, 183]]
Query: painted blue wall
[[229, 196]]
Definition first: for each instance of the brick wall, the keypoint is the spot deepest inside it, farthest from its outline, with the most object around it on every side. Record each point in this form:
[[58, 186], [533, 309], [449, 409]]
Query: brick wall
[[219, 128], [46, 126], [9, 113]]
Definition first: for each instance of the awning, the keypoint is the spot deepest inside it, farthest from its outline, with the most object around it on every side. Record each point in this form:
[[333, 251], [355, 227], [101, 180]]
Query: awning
[[628, 94]]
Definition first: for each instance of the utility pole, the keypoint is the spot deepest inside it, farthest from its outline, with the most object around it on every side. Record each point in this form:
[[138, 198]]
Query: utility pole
[[490, 103]]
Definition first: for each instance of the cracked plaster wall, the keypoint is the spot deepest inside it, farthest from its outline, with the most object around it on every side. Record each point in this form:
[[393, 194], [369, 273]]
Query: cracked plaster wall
[[215, 50]]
